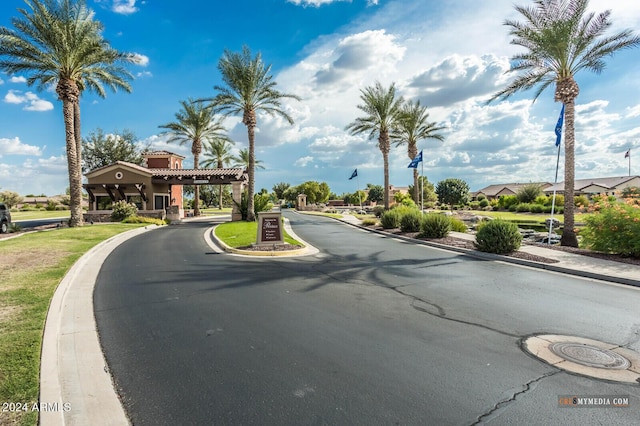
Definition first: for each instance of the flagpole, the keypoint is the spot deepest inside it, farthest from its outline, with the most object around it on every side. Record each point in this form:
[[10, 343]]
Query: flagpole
[[358, 192], [629, 152]]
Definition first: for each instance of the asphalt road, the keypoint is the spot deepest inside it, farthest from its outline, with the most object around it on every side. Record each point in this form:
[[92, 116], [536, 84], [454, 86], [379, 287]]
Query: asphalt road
[[371, 330]]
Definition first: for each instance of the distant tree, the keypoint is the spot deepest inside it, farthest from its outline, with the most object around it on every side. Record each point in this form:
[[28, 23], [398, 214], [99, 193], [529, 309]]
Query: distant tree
[[382, 108], [291, 194], [100, 149], [195, 124], [10, 198], [280, 188], [529, 193], [355, 198], [376, 193], [414, 126], [249, 88], [316, 192], [242, 160], [452, 191], [217, 153], [428, 190]]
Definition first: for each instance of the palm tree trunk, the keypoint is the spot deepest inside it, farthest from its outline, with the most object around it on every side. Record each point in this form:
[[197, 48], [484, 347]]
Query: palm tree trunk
[[249, 119], [384, 146], [75, 175], [196, 202], [69, 93], [569, 237], [77, 131]]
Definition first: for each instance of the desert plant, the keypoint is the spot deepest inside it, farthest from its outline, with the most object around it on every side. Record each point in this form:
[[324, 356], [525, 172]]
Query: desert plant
[[498, 236], [458, 225], [122, 210], [613, 228], [410, 221], [390, 219], [435, 225], [529, 192]]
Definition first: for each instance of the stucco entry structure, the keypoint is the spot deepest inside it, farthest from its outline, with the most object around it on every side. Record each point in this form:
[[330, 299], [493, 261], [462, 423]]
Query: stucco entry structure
[[156, 187]]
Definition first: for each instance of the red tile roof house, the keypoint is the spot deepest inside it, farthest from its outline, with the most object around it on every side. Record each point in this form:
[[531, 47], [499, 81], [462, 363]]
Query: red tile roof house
[[156, 187]]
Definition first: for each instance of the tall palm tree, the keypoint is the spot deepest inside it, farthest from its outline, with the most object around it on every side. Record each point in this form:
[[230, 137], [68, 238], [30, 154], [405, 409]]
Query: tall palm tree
[[413, 126], [560, 39], [242, 160], [382, 109], [57, 43], [218, 153], [195, 124], [249, 88]]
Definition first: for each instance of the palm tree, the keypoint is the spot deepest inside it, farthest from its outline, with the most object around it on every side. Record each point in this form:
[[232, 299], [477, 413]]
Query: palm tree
[[57, 43], [218, 153], [382, 110], [561, 38], [242, 160], [249, 88], [195, 124], [414, 126]]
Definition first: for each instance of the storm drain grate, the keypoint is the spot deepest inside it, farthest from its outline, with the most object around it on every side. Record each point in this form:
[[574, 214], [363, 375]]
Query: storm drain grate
[[590, 356]]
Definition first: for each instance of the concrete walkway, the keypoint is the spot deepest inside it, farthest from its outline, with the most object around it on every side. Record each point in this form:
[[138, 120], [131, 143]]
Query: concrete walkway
[[74, 377]]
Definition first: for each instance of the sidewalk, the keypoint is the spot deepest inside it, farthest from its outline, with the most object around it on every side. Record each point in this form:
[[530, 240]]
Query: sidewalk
[[567, 263]]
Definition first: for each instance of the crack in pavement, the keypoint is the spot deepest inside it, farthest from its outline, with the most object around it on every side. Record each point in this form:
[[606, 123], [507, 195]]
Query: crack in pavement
[[527, 387]]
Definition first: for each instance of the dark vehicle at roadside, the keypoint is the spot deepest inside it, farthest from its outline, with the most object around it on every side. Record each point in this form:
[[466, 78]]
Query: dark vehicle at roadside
[[5, 218]]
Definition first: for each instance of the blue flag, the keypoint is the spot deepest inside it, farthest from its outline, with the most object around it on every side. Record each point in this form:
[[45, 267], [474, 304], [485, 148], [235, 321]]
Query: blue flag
[[559, 126], [354, 174], [414, 163]]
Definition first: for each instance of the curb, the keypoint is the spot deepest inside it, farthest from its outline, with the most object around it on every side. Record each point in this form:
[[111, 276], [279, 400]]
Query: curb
[[508, 259], [307, 250], [74, 378]]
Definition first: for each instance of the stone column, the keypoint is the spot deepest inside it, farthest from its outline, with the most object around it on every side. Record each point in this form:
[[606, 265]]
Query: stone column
[[236, 190]]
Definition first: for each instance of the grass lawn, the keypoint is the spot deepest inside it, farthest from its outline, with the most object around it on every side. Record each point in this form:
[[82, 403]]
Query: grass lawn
[[526, 217], [216, 211], [31, 268], [241, 234], [39, 214]]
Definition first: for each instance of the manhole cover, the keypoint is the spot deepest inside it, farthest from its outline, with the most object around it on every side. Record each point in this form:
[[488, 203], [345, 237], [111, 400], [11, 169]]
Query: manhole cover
[[590, 356]]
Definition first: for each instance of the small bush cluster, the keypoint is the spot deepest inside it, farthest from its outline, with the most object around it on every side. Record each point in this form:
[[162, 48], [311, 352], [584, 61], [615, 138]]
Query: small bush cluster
[[390, 219], [369, 222], [458, 225], [498, 236], [122, 210], [410, 221], [613, 228], [435, 225]]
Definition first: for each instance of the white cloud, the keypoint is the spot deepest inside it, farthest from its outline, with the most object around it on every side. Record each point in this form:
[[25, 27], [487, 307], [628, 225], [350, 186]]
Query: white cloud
[[303, 161], [18, 79], [15, 147], [31, 100], [125, 7], [140, 59], [144, 74], [316, 3]]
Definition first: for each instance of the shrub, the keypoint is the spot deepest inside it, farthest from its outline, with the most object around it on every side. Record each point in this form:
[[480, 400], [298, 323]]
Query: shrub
[[513, 207], [498, 236], [378, 210], [536, 208], [483, 203], [507, 201], [122, 210], [410, 221], [529, 192], [523, 208], [475, 205], [614, 228], [543, 200], [390, 219], [51, 205], [481, 197], [581, 201], [458, 225], [369, 222], [435, 225]]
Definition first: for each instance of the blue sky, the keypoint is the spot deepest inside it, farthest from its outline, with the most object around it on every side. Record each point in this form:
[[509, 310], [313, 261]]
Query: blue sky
[[451, 55]]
